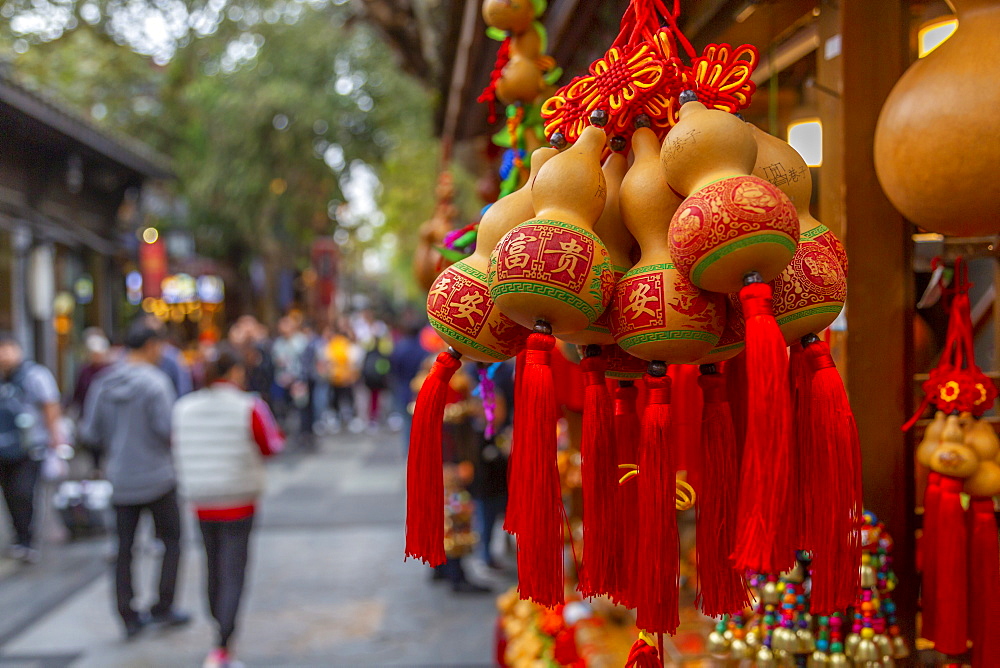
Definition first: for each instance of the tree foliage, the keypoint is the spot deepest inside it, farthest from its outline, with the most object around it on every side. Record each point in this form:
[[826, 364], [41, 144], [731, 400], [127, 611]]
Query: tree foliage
[[268, 117]]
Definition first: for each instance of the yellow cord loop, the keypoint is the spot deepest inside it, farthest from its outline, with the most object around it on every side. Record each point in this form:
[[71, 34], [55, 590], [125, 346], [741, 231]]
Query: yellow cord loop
[[647, 638], [684, 493]]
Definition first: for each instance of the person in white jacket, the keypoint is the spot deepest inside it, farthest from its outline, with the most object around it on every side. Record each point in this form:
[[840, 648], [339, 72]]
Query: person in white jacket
[[221, 436]]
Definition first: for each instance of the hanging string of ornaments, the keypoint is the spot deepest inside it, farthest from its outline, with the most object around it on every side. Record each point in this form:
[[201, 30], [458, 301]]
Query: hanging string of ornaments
[[702, 252]]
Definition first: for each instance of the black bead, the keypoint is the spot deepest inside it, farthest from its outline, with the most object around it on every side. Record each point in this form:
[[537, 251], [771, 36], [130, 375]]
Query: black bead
[[592, 350], [708, 369], [542, 327], [558, 140], [808, 340], [657, 369], [618, 144], [752, 277], [643, 121], [599, 117], [688, 96]]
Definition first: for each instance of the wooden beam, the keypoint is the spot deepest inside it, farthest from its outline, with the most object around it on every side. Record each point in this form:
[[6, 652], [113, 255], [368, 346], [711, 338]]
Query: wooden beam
[[863, 51]]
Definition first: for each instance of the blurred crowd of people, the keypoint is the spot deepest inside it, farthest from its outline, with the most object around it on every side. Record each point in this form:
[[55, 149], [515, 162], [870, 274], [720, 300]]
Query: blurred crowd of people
[[160, 424]]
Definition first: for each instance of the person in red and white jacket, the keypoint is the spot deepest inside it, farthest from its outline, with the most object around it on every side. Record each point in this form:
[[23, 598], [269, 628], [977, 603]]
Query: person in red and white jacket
[[221, 436]]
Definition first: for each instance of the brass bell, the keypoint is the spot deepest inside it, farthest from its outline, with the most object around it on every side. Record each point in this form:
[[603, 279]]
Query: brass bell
[[728, 635], [884, 645], [899, 648], [782, 639], [765, 659], [739, 649], [818, 660], [866, 650], [717, 645], [868, 578], [784, 658], [888, 662], [795, 574], [851, 645], [807, 642], [769, 593], [752, 638], [839, 660]]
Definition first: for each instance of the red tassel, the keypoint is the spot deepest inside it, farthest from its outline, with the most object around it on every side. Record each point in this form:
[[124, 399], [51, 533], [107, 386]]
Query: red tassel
[[833, 503], [515, 480], [643, 655], [951, 595], [984, 583], [626, 581], [799, 378], [735, 371], [721, 588], [686, 407], [599, 474], [928, 554], [765, 489], [424, 465], [540, 535], [659, 556]]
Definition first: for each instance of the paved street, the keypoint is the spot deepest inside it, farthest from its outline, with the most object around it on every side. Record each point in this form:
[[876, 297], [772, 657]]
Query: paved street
[[328, 586]]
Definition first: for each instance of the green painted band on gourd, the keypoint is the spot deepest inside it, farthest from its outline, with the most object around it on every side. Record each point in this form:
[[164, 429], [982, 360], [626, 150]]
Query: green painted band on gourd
[[498, 290], [623, 375], [648, 269], [807, 312], [471, 271], [668, 335], [727, 348], [738, 244], [465, 340], [600, 329], [618, 269], [815, 232]]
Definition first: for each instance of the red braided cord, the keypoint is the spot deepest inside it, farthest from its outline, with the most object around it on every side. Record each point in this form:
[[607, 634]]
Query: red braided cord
[[489, 94]]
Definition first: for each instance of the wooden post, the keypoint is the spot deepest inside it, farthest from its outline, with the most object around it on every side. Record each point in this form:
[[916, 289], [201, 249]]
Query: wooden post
[[864, 48]]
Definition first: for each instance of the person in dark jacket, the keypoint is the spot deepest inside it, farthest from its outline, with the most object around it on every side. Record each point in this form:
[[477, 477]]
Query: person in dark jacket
[[128, 410]]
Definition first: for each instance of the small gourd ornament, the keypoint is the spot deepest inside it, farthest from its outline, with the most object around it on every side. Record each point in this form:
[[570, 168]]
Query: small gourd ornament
[[809, 294], [459, 306], [659, 313], [523, 77], [551, 272], [731, 223], [514, 16], [936, 142], [553, 268], [735, 232], [616, 238], [460, 309]]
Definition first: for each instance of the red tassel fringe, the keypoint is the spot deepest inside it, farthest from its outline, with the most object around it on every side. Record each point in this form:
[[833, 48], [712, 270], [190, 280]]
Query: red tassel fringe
[[765, 489], [424, 466], [952, 584], [599, 473], [984, 580], [540, 526], [833, 478], [515, 480], [625, 578], [735, 371], [659, 556], [721, 588], [928, 554]]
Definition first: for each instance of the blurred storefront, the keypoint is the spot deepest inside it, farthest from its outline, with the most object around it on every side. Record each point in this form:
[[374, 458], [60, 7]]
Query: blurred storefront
[[69, 196]]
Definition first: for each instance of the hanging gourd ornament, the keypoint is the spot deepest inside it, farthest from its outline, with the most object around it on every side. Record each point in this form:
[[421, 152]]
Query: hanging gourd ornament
[[937, 142], [809, 294], [459, 306], [732, 223], [514, 16], [523, 77], [553, 268], [616, 238], [659, 314]]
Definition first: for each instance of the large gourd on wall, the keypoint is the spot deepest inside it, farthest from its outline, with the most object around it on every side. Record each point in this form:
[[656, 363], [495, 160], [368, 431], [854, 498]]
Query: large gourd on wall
[[937, 142]]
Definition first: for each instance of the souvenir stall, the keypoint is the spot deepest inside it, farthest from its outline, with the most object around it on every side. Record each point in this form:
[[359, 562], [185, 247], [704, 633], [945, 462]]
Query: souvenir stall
[[716, 415]]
